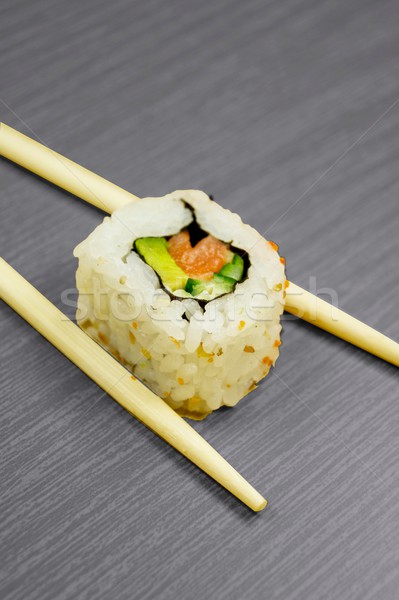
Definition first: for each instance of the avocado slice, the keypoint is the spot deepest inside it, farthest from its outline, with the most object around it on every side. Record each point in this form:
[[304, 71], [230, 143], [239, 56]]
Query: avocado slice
[[155, 253], [218, 285], [233, 269]]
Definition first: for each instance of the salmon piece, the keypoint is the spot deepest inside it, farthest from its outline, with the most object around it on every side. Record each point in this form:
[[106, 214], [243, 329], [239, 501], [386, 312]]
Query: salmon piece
[[207, 257], [179, 244]]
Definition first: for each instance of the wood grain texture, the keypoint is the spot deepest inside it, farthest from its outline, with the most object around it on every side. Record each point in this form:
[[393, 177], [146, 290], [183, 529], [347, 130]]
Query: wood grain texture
[[263, 104]]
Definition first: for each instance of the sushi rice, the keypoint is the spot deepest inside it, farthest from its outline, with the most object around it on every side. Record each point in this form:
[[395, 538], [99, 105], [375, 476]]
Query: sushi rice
[[196, 355]]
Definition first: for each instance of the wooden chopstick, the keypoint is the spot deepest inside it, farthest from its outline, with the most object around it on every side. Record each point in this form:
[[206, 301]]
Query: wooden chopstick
[[61, 171], [118, 382], [108, 197], [318, 312]]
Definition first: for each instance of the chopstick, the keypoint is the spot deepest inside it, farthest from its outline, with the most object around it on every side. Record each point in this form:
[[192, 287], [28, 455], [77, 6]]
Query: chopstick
[[117, 381], [108, 197], [318, 312], [61, 171]]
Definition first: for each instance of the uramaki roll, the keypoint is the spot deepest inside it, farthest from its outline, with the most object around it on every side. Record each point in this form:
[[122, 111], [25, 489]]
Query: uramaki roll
[[185, 295]]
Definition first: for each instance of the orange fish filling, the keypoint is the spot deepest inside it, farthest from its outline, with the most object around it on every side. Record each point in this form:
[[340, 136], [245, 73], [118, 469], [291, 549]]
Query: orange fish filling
[[207, 257]]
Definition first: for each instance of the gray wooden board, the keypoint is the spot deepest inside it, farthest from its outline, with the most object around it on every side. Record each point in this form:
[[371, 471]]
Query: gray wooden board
[[285, 112]]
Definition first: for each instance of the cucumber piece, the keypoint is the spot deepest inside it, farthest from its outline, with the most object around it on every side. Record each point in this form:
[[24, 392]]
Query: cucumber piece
[[233, 269], [195, 286], [213, 288], [154, 252]]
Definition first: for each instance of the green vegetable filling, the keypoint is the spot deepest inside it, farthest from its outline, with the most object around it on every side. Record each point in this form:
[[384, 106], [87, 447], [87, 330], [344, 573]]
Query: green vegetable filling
[[216, 286], [233, 269], [154, 252]]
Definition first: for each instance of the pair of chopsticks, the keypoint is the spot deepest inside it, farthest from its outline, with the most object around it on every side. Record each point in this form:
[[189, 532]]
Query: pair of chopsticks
[[109, 373], [76, 345], [108, 197]]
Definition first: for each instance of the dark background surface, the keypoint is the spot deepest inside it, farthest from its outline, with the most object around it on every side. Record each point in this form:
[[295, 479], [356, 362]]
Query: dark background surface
[[286, 112]]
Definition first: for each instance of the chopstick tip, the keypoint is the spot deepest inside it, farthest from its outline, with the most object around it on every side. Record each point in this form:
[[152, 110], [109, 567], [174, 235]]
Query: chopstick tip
[[261, 505]]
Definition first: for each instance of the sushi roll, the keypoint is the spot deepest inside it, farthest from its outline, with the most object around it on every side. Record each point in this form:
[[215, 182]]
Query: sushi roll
[[186, 295]]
